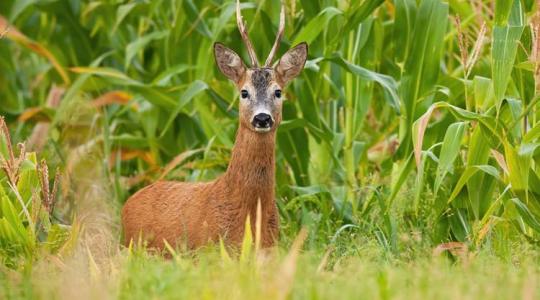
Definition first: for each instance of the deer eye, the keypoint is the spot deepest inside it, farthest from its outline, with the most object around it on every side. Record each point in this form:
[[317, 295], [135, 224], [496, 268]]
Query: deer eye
[[278, 93], [244, 94]]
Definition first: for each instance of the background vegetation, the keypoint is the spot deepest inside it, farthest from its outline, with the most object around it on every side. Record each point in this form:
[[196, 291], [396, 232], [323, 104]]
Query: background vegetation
[[413, 130]]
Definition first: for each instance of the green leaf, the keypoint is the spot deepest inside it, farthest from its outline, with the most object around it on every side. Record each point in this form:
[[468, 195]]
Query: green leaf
[[106, 72], [532, 134], [140, 43], [477, 186], [502, 11], [164, 77], [196, 18], [519, 164], [504, 49], [14, 229], [360, 13], [423, 63], [193, 90], [449, 151], [422, 67], [467, 174], [122, 12], [388, 83], [399, 176], [483, 93], [403, 28], [19, 7], [28, 179], [247, 242], [487, 122], [316, 25], [529, 218]]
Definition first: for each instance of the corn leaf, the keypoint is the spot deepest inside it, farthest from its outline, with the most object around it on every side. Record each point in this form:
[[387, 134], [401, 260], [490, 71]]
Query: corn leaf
[[449, 151], [504, 48]]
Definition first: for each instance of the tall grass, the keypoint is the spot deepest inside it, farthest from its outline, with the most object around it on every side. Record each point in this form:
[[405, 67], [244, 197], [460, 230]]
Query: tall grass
[[412, 118]]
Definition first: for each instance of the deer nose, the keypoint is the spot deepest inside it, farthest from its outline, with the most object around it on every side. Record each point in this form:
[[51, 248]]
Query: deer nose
[[262, 121]]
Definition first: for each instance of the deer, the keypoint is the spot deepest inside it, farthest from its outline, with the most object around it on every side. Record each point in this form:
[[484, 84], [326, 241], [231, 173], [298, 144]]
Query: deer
[[197, 214]]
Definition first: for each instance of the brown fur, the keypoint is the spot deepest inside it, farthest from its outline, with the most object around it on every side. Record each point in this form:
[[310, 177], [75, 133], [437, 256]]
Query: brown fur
[[199, 213]]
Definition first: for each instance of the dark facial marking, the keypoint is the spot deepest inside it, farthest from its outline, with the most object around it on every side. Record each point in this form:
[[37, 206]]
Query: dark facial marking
[[261, 79]]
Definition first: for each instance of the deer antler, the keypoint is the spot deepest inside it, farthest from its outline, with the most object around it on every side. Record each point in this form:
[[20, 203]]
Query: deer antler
[[278, 36], [245, 38]]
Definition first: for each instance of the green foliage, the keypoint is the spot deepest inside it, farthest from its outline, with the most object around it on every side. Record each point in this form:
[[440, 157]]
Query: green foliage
[[26, 207], [396, 125]]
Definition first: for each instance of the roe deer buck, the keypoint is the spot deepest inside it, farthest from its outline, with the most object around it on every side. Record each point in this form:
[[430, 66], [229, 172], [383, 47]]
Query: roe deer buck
[[198, 213]]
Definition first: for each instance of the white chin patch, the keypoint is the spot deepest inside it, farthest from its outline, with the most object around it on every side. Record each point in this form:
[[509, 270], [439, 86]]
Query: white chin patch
[[258, 129]]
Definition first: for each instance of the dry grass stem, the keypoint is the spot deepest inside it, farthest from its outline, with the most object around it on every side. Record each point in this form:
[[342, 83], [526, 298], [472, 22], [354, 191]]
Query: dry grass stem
[[285, 276], [258, 226], [324, 260]]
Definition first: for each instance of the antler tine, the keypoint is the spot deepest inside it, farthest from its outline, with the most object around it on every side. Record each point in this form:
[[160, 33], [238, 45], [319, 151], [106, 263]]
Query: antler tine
[[278, 36], [245, 38]]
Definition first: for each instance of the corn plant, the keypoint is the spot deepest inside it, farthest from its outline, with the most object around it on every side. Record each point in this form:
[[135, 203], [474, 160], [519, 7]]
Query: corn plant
[[427, 107]]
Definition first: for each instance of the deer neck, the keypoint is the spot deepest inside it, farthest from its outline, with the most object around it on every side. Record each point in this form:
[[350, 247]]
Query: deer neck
[[251, 172]]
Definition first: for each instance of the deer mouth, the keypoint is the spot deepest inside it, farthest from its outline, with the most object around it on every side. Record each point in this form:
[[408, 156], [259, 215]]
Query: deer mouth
[[262, 130]]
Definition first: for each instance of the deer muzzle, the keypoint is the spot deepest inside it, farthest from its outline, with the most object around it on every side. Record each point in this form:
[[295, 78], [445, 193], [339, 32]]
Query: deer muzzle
[[262, 122]]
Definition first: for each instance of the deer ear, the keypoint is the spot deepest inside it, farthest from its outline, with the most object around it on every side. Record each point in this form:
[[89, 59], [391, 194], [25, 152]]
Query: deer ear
[[229, 63], [292, 62]]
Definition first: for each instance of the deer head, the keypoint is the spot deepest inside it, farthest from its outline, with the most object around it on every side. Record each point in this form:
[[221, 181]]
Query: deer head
[[260, 87]]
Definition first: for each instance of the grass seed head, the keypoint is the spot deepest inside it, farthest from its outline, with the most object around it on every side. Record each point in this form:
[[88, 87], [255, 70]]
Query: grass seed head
[[477, 49], [11, 165], [48, 195], [462, 42], [534, 56]]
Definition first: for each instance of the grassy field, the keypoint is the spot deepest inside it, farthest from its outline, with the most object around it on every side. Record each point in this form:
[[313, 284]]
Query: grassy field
[[408, 164], [366, 274]]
